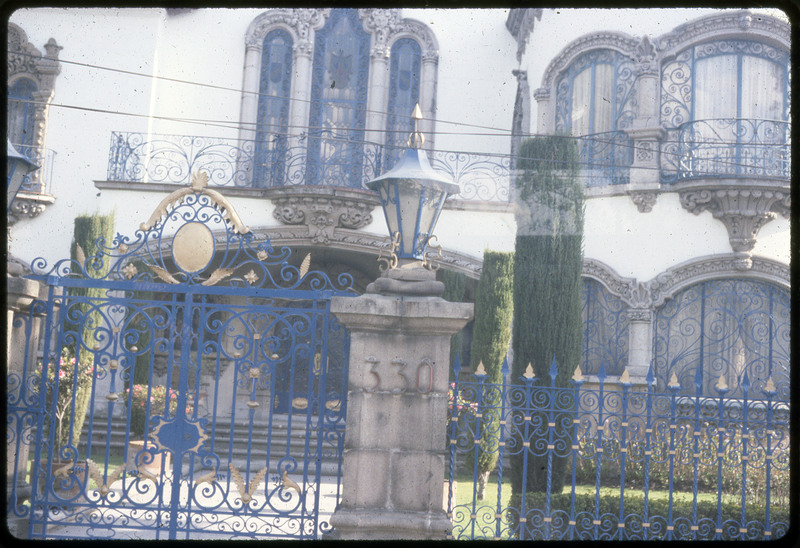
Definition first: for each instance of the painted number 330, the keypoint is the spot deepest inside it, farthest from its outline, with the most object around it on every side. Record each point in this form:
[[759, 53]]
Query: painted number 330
[[421, 379]]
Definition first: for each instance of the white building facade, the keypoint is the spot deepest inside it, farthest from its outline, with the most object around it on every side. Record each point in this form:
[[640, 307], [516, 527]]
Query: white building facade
[[683, 128]]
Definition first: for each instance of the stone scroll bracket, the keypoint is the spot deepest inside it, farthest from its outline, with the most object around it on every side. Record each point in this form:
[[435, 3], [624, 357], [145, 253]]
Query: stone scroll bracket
[[323, 210], [743, 209]]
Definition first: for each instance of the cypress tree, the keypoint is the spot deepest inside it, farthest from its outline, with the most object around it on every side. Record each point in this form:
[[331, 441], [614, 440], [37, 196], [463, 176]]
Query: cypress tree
[[455, 286], [494, 308], [547, 286], [87, 230]]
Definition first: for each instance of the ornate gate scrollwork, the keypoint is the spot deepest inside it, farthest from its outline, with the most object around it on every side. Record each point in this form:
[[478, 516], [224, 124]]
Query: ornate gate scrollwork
[[197, 324]]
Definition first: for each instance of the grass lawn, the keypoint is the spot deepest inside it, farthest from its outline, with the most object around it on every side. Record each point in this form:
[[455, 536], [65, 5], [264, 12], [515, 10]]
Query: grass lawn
[[484, 510]]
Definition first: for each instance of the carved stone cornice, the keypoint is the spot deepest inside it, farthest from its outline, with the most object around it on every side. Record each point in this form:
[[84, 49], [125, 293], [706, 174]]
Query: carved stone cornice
[[743, 208], [422, 33], [322, 210], [713, 26], [357, 241], [520, 24], [300, 22], [381, 23], [644, 199], [624, 288], [621, 42], [646, 56], [673, 280], [28, 206], [541, 94]]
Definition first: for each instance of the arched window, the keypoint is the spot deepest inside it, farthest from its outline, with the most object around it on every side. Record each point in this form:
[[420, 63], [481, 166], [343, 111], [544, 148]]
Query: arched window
[[595, 99], [20, 112], [273, 107], [404, 82], [338, 101], [725, 105], [724, 329], [605, 331], [342, 93]]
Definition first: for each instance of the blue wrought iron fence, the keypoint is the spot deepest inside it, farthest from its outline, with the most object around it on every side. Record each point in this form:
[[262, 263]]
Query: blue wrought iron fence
[[215, 376], [39, 181], [728, 147], [641, 464], [278, 161]]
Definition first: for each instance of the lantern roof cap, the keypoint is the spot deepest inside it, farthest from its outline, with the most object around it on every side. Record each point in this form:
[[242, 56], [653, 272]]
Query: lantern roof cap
[[414, 165]]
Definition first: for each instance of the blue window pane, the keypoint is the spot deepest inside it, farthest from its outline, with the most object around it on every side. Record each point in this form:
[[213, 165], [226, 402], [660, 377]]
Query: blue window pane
[[20, 112], [605, 331], [273, 108], [404, 83], [595, 99]]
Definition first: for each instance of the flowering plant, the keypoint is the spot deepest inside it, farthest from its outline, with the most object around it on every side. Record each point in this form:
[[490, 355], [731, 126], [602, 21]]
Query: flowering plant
[[72, 394], [457, 404], [138, 402]]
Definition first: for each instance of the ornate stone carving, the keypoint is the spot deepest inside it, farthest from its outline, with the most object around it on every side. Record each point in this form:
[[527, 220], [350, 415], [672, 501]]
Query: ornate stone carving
[[299, 21], [25, 61], [712, 25], [28, 206], [646, 57], [323, 210], [611, 40], [645, 151], [743, 210], [541, 94], [423, 34], [673, 280], [520, 23], [381, 23], [624, 288], [639, 314], [644, 200]]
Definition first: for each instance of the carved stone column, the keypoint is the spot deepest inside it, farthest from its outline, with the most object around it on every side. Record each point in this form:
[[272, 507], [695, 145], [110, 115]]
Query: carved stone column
[[645, 131], [640, 343], [252, 62], [394, 455]]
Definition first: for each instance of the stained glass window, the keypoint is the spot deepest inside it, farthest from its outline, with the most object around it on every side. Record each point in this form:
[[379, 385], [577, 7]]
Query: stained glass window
[[338, 101], [404, 79], [273, 107]]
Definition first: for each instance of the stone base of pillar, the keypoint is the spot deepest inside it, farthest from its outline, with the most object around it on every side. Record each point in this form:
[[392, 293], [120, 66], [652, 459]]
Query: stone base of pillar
[[371, 524], [394, 451]]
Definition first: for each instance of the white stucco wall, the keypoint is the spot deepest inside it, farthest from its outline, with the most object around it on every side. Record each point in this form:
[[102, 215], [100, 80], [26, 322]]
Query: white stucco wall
[[475, 97]]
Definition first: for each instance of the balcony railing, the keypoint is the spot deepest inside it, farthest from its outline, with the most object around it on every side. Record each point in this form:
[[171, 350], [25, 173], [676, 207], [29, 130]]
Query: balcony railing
[[276, 161], [732, 148], [39, 181], [606, 158]]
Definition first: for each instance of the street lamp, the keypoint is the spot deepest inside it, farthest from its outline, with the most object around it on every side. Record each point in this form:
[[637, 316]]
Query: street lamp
[[412, 195], [17, 168]]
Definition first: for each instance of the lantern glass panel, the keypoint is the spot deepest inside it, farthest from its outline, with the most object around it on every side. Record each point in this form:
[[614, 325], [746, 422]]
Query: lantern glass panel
[[408, 194]]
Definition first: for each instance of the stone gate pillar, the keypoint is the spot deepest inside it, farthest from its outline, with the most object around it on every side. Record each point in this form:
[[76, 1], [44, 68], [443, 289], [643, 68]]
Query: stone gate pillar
[[20, 294], [394, 453]]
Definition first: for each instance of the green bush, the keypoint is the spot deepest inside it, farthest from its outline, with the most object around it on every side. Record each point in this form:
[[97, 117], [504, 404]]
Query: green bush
[[606, 510], [683, 466]]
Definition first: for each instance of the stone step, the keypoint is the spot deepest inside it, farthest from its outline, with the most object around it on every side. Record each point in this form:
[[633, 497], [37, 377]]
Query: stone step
[[233, 441]]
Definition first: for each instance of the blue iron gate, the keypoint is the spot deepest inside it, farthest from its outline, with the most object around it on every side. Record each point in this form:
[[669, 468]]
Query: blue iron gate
[[182, 353]]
